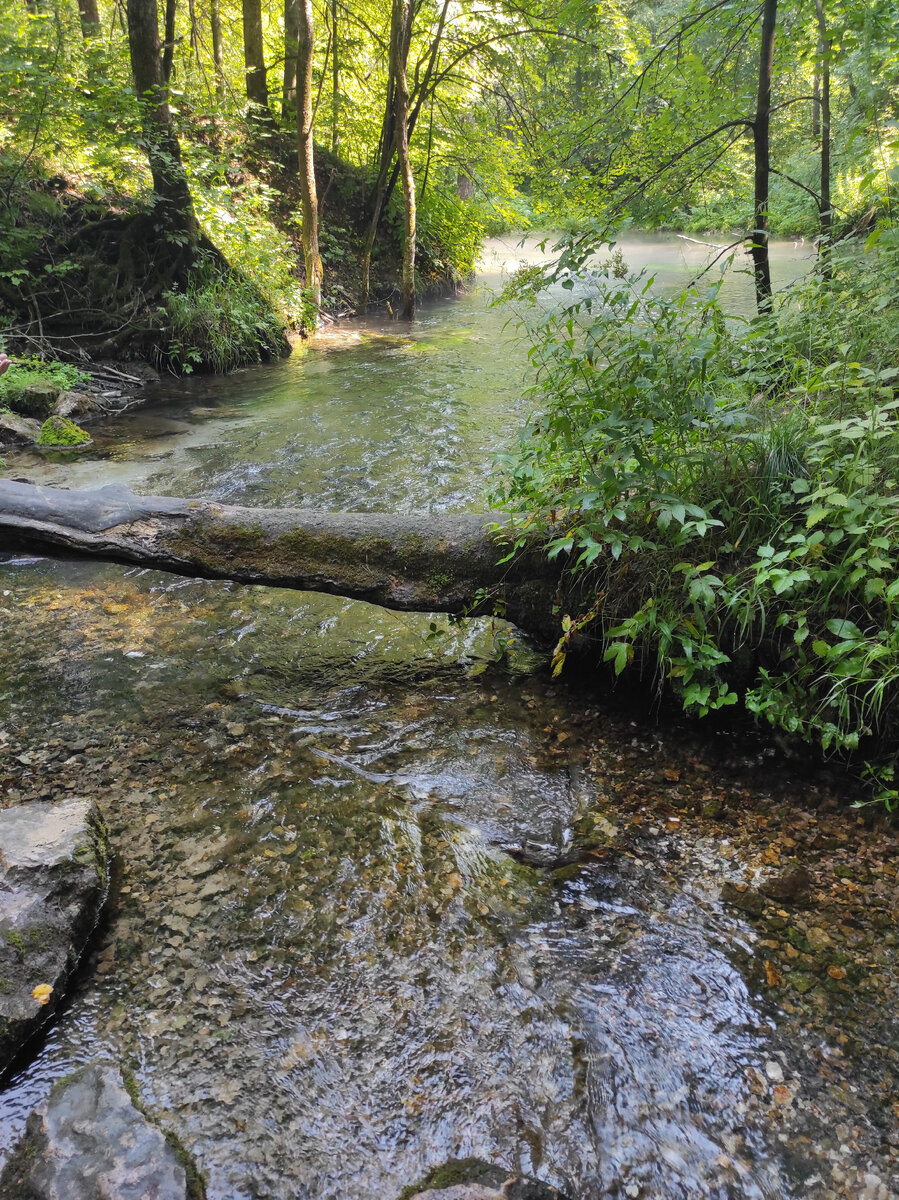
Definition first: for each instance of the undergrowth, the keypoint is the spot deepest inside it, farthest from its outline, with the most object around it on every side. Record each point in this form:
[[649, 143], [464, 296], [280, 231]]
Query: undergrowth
[[726, 491]]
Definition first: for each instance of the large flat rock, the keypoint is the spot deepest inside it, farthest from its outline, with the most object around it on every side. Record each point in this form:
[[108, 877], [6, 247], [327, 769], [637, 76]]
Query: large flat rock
[[89, 1141], [53, 882]]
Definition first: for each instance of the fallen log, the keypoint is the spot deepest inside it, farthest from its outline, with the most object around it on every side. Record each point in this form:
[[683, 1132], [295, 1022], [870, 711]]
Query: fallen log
[[432, 563]]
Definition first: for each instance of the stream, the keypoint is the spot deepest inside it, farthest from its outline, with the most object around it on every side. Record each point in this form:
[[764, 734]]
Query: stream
[[322, 963]]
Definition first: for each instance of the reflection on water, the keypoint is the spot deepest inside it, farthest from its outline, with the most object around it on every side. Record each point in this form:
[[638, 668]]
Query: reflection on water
[[374, 415], [324, 965]]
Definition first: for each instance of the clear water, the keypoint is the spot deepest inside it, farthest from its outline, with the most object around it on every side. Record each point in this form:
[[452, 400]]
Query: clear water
[[323, 966]]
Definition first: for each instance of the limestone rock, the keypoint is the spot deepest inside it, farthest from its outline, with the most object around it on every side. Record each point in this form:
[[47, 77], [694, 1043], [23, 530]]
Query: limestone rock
[[16, 430], [53, 881], [90, 1142], [76, 404]]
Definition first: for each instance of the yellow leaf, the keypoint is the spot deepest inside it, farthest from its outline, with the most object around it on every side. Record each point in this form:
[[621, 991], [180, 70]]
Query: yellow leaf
[[42, 993], [772, 975]]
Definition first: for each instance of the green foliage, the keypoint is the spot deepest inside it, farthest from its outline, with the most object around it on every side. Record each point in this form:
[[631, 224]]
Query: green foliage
[[727, 497], [219, 322], [59, 431], [450, 235], [34, 372]]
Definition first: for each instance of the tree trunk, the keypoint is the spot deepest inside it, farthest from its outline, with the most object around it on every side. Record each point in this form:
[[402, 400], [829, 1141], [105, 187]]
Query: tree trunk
[[90, 18], [218, 57], [826, 205], [400, 40], [335, 82], [174, 211], [305, 146], [168, 47], [408, 563], [291, 49], [761, 127], [254, 61]]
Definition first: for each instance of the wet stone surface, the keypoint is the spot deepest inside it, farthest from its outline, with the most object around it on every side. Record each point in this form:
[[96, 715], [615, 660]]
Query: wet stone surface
[[53, 879], [90, 1142], [329, 976]]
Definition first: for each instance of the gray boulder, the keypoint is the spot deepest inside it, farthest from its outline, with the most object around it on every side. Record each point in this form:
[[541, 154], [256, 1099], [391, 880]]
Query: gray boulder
[[53, 882], [89, 1141], [16, 430], [76, 404]]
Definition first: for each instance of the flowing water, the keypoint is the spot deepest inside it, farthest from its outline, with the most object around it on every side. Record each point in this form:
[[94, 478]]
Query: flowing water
[[322, 962]]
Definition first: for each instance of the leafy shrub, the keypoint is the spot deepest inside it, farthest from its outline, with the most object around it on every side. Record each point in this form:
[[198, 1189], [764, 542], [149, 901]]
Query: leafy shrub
[[728, 499], [218, 323], [450, 236]]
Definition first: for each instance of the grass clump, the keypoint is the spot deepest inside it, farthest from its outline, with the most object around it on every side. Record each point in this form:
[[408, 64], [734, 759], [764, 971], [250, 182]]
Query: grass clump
[[218, 322], [727, 493]]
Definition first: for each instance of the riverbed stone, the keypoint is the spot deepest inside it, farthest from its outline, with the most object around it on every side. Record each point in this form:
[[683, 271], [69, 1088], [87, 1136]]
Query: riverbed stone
[[747, 899], [53, 882], [16, 430], [89, 1141], [474, 1179], [77, 404]]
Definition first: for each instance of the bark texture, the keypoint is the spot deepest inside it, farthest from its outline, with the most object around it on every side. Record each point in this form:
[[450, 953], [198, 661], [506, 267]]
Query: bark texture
[[291, 46], [426, 563], [175, 210], [306, 150], [254, 60], [401, 37], [90, 18], [761, 138]]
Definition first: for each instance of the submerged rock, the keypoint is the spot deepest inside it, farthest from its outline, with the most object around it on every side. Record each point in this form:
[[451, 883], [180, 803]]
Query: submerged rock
[[747, 899], [16, 430], [90, 1141], [53, 881], [474, 1179]]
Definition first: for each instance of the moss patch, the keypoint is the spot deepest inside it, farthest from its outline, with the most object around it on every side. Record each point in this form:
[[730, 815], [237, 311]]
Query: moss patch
[[457, 1171], [59, 431]]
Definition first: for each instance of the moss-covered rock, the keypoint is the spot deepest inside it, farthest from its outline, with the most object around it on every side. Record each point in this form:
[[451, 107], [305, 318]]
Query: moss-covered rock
[[59, 431]]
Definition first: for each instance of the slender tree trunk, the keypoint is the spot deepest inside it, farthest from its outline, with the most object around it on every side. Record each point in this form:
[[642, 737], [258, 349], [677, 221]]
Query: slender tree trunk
[[402, 22], [174, 208], [218, 57], [305, 146], [826, 205], [816, 99], [168, 48], [761, 127], [335, 82], [387, 150], [291, 47], [90, 18], [254, 61]]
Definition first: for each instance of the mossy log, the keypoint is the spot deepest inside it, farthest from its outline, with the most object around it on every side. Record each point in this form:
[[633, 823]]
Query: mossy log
[[431, 563]]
